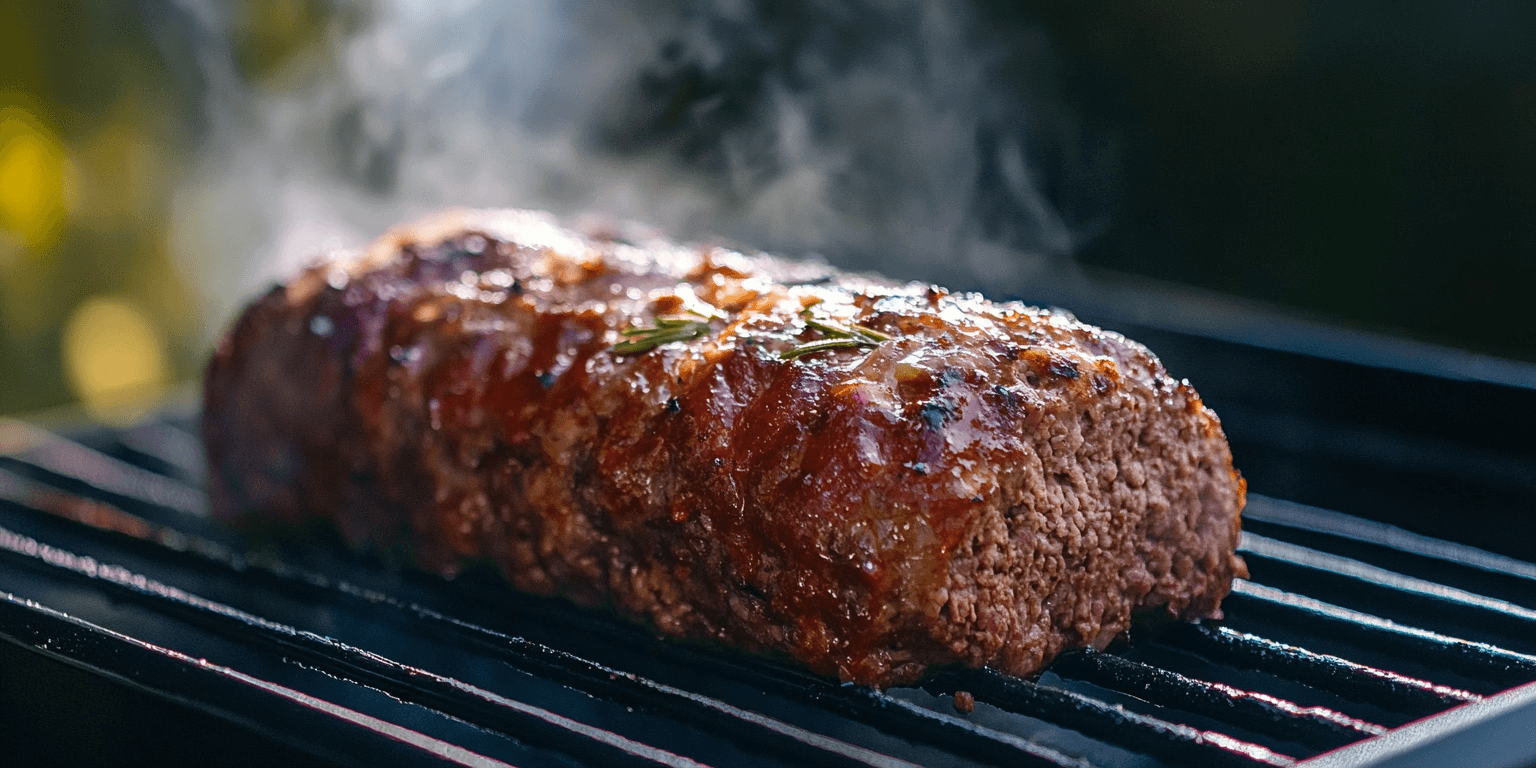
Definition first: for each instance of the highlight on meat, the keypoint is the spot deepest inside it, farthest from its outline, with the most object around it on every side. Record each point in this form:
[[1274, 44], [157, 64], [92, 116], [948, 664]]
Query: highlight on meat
[[866, 477]]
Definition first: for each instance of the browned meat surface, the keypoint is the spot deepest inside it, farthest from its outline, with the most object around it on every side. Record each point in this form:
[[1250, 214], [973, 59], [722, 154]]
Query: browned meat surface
[[991, 485]]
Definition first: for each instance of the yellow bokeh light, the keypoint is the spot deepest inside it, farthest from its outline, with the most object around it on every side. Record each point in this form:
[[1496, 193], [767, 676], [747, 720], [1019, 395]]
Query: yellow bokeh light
[[115, 359], [32, 176]]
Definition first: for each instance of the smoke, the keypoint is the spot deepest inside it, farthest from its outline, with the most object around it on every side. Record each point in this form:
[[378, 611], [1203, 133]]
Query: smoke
[[883, 135]]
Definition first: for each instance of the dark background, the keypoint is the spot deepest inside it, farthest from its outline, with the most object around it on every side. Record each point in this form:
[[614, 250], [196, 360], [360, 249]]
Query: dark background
[[1373, 164]]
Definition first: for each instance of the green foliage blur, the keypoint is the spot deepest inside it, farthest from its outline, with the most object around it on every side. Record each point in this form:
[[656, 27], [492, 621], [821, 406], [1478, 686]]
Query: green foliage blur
[[100, 116]]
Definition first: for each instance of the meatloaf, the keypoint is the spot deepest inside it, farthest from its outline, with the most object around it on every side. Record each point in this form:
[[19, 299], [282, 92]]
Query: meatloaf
[[867, 477]]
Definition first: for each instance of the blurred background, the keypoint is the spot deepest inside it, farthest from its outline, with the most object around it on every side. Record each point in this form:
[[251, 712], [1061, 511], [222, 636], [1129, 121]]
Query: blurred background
[[1369, 164]]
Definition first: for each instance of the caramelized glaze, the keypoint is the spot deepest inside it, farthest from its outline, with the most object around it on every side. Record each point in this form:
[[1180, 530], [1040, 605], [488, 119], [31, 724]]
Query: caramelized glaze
[[995, 483]]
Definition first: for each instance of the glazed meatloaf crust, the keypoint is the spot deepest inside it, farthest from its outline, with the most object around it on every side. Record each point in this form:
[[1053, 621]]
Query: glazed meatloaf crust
[[870, 478]]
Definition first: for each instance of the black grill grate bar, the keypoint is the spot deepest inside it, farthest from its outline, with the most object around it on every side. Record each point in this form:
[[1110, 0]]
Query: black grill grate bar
[[1088, 716], [899, 717], [1387, 690], [756, 730], [880, 710], [45, 450], [170, 445], [1499, 615], [453, 697], [1343, 566], [594, 678], [101, 517], [891, 715], [1107, 722], [859, 703], [1096, 719], [1473, 659], [341, 736], [1314, 519], [885, 713], [1317, 727], [444, 694]]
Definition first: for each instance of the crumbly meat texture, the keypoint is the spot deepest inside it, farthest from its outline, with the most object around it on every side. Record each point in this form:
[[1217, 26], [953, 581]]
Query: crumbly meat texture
[[992, 486]]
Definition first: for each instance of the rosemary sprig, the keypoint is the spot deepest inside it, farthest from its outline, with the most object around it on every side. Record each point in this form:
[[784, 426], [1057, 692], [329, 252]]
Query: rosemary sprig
[[666, 331], [812, 347], [838, 336], [836, 331]]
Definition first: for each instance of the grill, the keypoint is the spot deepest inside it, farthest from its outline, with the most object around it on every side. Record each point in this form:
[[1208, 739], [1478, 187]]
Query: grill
[[1400, 633]]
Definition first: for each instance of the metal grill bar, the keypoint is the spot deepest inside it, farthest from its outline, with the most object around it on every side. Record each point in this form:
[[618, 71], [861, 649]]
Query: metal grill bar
[[452, 697], [862, 704], [1368, 584], [1361, 572], [39, 457], [1493, 732], [1142, 733], [1300, 516], [875, 708], [70, 459], [1138, 732], [1381, 688], [1093, 718], [347, 737], [1317, 727], [763, 733], [1476, 660], [888, 714], [170, 445]]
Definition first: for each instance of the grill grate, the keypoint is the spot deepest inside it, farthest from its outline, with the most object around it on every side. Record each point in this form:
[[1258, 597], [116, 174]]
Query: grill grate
[[108, 563]]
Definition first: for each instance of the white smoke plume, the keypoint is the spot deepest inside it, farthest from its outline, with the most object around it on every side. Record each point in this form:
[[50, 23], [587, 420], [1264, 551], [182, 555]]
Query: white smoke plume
[[874, 133]]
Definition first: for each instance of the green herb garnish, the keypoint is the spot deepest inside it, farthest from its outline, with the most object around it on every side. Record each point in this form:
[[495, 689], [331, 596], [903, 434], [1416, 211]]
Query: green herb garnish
[[666, 331], [838, 336]]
